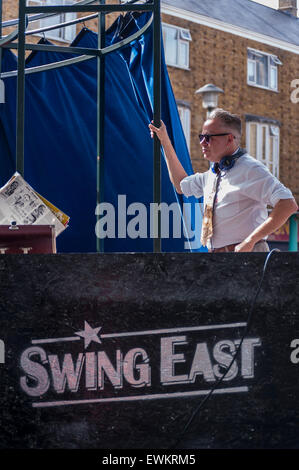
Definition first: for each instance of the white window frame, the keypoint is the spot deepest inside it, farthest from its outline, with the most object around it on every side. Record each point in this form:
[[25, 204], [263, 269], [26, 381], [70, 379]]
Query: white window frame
[[185, 117], [272, 138], [182, 41], [66, 34], [270, 68]]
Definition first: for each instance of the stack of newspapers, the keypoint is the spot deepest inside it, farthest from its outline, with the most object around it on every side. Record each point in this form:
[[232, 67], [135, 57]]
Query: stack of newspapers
[[20, 204]]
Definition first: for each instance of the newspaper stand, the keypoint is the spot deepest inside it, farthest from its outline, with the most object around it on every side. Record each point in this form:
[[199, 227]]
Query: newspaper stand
[[23, 239]]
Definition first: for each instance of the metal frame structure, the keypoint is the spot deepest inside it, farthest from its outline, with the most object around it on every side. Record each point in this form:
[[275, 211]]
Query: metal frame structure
[[97, 8]]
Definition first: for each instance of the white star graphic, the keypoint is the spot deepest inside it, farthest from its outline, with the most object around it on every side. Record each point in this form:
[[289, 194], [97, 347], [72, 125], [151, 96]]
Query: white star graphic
[[89, 334]]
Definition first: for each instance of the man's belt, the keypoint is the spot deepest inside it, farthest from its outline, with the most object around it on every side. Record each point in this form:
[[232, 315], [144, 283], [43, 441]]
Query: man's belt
[[224, 249], [230, 248]]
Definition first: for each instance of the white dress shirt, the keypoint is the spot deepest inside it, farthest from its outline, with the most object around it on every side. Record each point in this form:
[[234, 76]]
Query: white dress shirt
[[243, 195]]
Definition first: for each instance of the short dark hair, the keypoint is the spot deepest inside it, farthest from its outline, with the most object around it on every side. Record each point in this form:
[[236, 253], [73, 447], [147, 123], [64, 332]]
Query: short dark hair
[[232, 121]]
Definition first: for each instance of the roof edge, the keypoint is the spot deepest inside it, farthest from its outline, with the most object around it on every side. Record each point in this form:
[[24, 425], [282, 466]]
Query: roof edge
[[228, 28]]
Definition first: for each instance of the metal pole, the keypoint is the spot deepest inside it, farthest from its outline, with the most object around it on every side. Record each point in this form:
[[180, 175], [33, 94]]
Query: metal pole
[[0, 33], [21, 90], [293, 237], [100, 118], [85, 8], [2, 99], [157, 118]]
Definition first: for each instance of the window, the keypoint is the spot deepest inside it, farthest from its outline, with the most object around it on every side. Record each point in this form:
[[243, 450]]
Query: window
[[262, 69], [63, 34], [262, 142], [176, 45], [184, 113]]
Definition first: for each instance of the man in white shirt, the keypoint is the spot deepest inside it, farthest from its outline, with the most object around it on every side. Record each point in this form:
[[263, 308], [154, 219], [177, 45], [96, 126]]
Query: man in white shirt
[[236, 189]]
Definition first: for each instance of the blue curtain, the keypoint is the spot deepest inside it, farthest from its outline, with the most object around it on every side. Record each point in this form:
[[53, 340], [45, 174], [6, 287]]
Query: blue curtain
[[60, 138]]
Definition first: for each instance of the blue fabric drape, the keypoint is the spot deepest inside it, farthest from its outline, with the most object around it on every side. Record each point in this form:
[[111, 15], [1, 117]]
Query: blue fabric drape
[[60, 136]]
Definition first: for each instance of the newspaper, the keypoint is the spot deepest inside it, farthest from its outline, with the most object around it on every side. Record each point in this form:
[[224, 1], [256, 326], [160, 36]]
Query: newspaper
[[21, 204]]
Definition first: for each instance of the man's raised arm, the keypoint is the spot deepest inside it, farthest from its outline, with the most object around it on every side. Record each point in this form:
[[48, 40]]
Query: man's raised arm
[[175, 169]]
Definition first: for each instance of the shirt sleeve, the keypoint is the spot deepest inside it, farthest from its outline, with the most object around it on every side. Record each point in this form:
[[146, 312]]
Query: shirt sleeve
[[262, 186], [193, 185]]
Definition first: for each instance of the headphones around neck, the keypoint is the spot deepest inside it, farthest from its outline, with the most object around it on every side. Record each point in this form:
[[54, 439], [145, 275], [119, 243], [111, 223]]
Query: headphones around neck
[[227, 162]]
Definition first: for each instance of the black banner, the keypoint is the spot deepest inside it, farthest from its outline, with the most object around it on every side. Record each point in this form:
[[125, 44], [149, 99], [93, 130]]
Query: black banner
[[118, 351]]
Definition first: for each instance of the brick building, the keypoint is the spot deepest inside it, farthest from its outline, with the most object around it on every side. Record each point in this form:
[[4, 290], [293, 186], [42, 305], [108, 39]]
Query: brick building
[[248, 50], [251, 52]]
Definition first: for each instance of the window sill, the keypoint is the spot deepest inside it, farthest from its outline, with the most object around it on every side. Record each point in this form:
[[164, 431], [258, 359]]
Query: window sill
[[262, 87], [178, 67]]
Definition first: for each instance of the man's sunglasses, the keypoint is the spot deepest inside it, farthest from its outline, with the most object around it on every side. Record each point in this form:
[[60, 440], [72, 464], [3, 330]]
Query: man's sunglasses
[[207, 137]]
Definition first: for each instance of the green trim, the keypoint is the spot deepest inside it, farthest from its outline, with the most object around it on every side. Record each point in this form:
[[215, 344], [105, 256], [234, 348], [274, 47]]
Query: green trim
[[293, 237]]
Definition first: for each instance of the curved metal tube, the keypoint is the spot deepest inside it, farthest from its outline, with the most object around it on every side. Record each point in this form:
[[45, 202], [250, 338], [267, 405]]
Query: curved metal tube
[[66, 23], [14, 34], [124, 42], [82, 58], [44, 68], [9, 38], [40, 16], [61, 25]]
